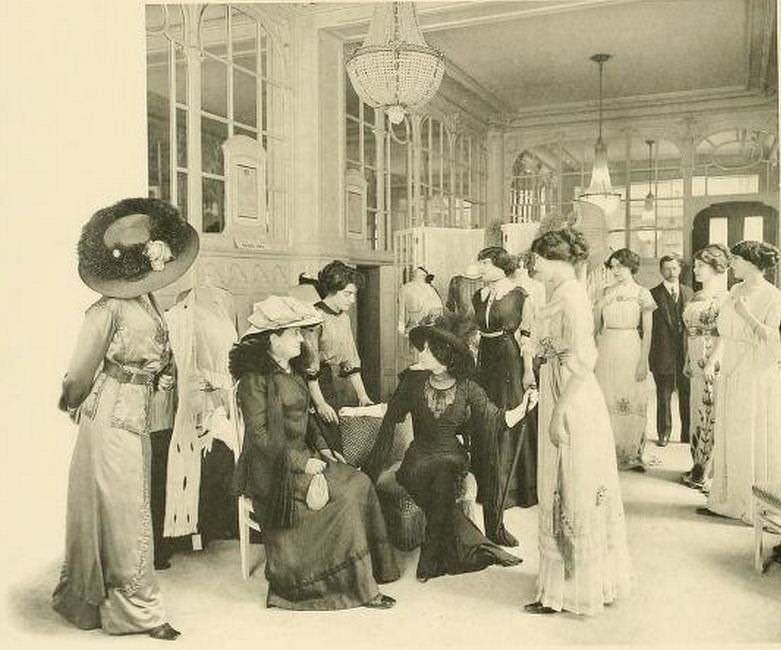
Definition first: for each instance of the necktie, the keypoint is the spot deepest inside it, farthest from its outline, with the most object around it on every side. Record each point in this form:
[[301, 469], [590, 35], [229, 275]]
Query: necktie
[[674, 294]]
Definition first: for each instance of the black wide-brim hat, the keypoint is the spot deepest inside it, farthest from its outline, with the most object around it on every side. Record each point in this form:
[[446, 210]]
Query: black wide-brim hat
[[121, 244], [453, 330]]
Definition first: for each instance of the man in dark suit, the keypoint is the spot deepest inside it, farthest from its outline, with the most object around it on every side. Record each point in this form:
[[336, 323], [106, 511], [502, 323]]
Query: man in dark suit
[[668, 348]]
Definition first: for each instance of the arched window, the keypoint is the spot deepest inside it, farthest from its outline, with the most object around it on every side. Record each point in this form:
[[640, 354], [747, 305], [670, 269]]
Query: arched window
[[532, 188]]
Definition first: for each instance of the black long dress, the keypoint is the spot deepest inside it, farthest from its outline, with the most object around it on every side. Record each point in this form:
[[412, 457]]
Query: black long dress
[[435, 465], [500, 372]]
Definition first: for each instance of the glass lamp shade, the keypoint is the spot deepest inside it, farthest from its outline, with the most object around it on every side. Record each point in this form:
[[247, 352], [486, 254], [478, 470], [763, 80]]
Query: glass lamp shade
[[649, 214], [600, 191], [395, 69]]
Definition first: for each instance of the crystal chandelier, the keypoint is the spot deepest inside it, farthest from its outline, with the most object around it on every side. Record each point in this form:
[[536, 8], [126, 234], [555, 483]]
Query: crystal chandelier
[[648, 206], [600, 192], [395, 69]]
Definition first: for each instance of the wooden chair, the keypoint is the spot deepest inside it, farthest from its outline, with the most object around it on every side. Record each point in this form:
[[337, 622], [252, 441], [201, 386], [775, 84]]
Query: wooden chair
[[246, 512], [767, 514]]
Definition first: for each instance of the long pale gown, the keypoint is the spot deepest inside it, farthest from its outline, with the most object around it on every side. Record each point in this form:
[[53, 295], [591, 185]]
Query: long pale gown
[[619, 347], [108, 578], [747, 434], [584, 561]]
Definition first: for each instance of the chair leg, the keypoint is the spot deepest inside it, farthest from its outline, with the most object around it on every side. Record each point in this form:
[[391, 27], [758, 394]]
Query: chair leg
[[244, 542], [758, 539]]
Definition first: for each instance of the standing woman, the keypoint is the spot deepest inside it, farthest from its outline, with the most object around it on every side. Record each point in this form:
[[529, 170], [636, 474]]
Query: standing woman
[[747, 443], [624, 322], [327, 546], [584, 562], [504, 368], [334, 368], [122, 358], [699, 317]]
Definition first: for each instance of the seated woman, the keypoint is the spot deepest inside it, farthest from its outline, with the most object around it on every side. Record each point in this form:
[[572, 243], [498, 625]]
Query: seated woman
[[439, 394], [316, 559]]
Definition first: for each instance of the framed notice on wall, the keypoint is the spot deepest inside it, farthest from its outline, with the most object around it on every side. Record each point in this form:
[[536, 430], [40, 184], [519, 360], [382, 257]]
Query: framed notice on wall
[[247, 190], [355, 204]]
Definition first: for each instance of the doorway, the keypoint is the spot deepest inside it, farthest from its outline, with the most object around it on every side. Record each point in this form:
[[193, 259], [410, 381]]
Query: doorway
[[367, 334], [730, 222]]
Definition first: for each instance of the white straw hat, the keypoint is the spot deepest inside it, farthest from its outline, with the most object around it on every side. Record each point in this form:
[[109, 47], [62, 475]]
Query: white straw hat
[[281, 312]]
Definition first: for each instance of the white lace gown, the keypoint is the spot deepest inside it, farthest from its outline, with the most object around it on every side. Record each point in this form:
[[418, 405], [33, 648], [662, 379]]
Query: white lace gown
[[584, 561], [619, 351], [747, 432]]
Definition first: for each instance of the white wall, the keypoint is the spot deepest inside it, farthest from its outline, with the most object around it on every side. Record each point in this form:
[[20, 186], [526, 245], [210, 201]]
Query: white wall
[[73, 140]]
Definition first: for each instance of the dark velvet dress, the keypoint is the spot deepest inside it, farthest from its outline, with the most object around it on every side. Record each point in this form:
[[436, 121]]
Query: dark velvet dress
[[435, 465], [327, 559], [500, 372]]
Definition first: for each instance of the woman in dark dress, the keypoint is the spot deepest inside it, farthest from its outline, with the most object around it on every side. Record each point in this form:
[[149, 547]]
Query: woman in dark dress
[[440, 396], [504, 368], [318, 557]]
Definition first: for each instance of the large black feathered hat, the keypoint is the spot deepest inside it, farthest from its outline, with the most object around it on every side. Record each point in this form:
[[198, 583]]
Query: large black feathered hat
[[454, 330], [134, 247]]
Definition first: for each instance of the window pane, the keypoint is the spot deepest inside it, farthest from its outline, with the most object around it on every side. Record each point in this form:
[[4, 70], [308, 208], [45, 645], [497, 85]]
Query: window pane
[[176, 22], [753, 228], [213, 205], [669, 241], [718, 230], [181, 193], [265, 53], [213, 134], [643, 242], [181, 76], [265, 105], [747, 184], [352, 134], [371, 189], [214, 87], [351, 97], [244, 98], [368, 115], [158, 118], [369, 147], [244, 38], [181, 137], [214, 30], [698, 186], [155, 17], [669, 213]]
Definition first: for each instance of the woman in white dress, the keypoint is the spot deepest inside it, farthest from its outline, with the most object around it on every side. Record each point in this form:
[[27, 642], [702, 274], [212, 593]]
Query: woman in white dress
[[623, 318], [584, 562], [747, 435], [699, 317]]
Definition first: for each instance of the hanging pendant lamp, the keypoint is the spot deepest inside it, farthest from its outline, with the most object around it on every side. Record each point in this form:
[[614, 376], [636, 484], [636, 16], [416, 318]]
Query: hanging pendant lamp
[[649, 214], [395, 69], [600, 192]]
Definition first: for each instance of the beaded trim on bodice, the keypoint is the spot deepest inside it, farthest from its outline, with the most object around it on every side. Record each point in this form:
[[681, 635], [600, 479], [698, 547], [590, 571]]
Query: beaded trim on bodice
[[438, 399]]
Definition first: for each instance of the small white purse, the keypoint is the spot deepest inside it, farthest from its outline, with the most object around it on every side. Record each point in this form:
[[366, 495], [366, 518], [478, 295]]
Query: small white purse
[[317, 494]]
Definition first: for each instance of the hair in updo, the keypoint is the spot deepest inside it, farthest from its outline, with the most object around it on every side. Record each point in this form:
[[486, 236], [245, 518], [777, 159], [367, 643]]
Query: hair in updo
[[717, 256], [566, 245], [500, 258], [336, 276], [761, 254], [626, 257]]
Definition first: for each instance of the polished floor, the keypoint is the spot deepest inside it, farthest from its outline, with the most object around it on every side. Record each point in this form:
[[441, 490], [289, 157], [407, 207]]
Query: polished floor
[[694, 584]]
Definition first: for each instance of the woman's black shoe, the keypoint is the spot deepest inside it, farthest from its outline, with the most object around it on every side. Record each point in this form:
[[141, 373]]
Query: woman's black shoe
[[538, 608], [162, 565], [381, 602], [503, 537], [164, 632]]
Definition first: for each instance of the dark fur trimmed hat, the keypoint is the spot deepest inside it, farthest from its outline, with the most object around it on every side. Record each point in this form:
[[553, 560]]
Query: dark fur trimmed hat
[[453, 330], [134, 247]]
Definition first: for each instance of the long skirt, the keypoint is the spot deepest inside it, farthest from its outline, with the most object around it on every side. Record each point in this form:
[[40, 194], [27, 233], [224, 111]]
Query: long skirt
[[702, 408], [584, 561], [453, 543], [337, 391], [499, 373], [335, 557], [107, 578], [627, 398]]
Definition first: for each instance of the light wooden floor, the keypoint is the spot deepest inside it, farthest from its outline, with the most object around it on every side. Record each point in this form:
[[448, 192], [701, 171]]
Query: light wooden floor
[[694, 584]]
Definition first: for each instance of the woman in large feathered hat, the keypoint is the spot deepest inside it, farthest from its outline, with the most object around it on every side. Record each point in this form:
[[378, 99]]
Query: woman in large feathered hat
[[121, 361]]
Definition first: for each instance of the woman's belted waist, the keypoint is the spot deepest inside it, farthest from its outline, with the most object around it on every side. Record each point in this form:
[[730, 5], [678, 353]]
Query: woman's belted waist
[[124, 376], [492, 335]]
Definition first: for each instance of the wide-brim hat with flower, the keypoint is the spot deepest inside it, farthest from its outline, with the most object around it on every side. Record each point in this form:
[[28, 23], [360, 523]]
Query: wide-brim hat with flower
[[472, 272], [281, 312], [134, 247], [454, 330]]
